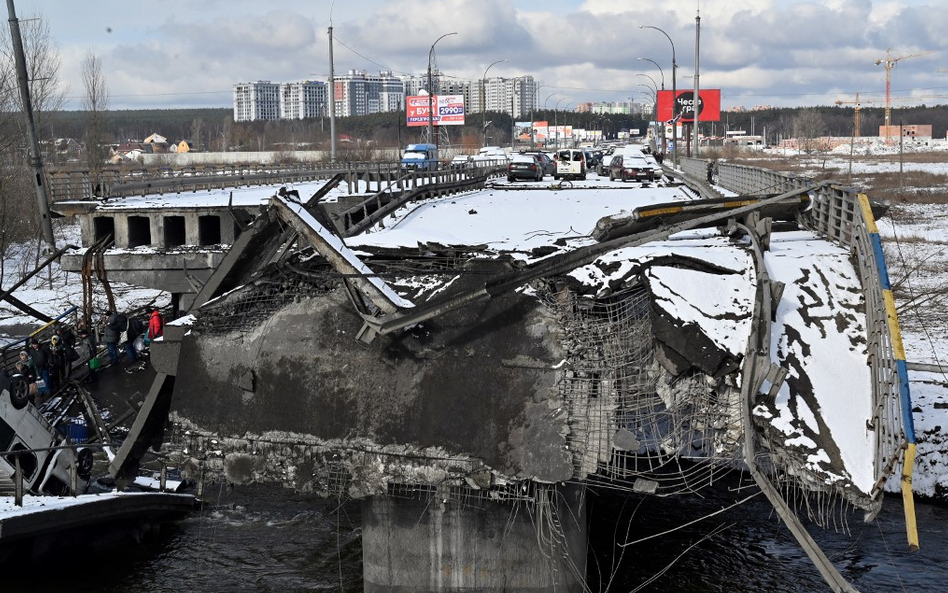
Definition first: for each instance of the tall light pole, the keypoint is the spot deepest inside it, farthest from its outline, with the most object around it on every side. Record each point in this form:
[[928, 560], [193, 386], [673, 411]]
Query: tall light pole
[[484, 101], [653, 90], [513, 98], [695, 100], [653, 86], [431, 90], [533, 105], [556, 127], [662, 72], [674, 91], [332, 94]]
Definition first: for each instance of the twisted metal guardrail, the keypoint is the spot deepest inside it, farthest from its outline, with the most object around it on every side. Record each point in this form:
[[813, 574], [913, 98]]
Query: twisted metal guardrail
[[844, 215]]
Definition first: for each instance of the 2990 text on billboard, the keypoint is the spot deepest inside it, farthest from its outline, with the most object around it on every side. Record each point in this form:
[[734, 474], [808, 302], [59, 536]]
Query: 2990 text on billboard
[[448, 110]]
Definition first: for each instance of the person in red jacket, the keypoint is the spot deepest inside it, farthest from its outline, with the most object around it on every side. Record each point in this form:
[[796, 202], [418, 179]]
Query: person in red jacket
[[156, 326]]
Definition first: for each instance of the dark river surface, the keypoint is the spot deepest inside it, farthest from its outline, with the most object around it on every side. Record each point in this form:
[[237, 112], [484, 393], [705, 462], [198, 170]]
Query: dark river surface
[[266, 539]]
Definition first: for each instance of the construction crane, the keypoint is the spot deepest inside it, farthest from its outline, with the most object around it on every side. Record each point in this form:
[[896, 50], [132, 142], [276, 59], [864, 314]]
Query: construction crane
[[856, 106], [889, 62]]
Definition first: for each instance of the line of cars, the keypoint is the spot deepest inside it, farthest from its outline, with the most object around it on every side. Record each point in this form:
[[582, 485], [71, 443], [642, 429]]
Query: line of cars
[[625, 163]]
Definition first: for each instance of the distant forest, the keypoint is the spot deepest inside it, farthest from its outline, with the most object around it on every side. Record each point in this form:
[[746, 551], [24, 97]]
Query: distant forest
[[215, 129]]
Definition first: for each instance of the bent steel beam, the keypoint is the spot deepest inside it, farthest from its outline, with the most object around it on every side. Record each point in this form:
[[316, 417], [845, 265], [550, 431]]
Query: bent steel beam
[[557, 264], [340, 257]]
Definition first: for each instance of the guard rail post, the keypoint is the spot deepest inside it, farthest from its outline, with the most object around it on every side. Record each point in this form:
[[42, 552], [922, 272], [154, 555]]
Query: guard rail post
[[17, 482]]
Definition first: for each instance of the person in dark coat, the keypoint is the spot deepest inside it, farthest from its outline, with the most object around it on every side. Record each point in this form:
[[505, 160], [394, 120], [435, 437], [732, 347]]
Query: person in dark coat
[[24, 367], [88, 349], [42, 358], [112, 328]]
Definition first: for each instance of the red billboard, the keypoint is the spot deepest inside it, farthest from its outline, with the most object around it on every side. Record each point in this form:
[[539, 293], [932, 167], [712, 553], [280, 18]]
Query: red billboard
[[709, 105], [448, 110]]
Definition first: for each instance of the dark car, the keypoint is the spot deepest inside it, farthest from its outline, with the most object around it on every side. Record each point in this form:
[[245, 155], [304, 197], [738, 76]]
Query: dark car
[[602, 168], [546, 161], [524, 166], [592, 160], [630, 167]]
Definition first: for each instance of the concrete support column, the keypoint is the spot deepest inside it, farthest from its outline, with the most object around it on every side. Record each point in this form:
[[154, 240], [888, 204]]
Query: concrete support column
[[121, 231], [423, 546]]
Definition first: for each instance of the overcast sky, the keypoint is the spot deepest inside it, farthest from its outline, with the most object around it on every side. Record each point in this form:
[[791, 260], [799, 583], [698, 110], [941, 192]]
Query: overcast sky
[[177, 53]]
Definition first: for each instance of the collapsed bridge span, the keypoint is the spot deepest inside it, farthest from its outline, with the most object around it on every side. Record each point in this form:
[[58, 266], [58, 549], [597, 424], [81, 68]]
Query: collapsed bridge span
[[483, 352]]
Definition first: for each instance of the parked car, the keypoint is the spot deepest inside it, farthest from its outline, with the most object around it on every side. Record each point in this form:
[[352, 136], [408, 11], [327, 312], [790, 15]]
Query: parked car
[[570, 164], [546, 161], [625, 167], [591, 161], [524, 166], [657, 170], [462, 161], [602, 168]]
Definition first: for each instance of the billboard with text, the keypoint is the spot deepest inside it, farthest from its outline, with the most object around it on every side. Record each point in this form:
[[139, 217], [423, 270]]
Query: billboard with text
[[447, 110], [709, 105]]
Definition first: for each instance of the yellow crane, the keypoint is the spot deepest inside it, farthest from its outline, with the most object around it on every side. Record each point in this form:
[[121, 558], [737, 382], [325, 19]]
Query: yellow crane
[[857, 104], [889, 62]]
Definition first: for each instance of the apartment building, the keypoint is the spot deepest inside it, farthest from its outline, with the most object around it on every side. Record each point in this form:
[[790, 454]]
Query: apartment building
[[256, 101], [360, 93], [303, 100]]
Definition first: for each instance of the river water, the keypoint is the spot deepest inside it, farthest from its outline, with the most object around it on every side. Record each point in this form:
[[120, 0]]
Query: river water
[[266, 539]]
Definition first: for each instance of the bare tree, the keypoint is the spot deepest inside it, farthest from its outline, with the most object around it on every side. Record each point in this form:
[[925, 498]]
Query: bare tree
[[808, 126], [197, 132], [95, 103]]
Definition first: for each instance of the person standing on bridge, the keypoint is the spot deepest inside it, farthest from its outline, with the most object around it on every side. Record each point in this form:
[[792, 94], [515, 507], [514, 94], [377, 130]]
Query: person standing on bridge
[[112, 328], [41, 356], [156, 326]]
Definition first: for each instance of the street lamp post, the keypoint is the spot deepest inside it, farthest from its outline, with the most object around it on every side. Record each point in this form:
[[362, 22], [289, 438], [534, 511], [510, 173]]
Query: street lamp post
[[431, 91], [484, 101], [654, 90], [662, 72], [533, 104], [556, 127], [674, 91]]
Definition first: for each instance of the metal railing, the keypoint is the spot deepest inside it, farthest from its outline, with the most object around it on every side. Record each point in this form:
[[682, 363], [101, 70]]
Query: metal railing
[[69, 185], [842, 215]]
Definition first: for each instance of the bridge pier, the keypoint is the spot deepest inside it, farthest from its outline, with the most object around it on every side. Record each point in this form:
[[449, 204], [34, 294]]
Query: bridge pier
[[442, 545]]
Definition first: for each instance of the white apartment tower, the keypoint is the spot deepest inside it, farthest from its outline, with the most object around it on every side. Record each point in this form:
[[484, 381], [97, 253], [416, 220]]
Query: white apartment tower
[[303, 100], [516, 96], [256, 101]]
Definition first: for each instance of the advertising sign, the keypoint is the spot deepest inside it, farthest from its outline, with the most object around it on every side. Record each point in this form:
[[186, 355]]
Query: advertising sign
[[448, 110], [541, 129], [709, 105]]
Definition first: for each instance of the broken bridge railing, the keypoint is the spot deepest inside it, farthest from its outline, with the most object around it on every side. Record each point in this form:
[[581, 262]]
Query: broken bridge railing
[[844, 216]]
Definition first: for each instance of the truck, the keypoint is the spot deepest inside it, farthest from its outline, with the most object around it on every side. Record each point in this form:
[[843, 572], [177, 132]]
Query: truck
[[420, 157]]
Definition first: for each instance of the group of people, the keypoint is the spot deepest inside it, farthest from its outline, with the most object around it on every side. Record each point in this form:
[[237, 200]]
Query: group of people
[[130, 333], [46, 365]]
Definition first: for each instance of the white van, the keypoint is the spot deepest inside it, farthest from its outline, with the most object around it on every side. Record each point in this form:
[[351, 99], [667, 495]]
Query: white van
[[570, 164], [27, 434]]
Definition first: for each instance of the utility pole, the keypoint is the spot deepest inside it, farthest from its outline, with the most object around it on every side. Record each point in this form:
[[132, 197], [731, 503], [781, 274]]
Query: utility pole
[[697, 96], [36, 157], [332, 101]]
